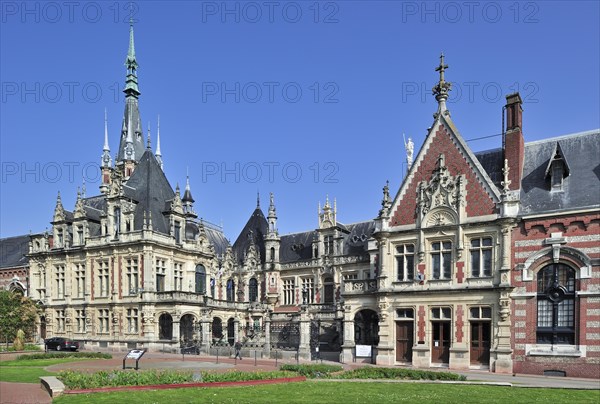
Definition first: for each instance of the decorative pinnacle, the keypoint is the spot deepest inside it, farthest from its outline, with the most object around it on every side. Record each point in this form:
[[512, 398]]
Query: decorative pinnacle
[[442, 88], [158, 138], [106, 148], [506, 183], [148, 142], [257, 199]]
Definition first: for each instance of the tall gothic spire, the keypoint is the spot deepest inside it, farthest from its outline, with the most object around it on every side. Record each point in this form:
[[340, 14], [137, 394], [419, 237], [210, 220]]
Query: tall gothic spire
[[106, 160], [441, 89], [131, 84], [131, 132]]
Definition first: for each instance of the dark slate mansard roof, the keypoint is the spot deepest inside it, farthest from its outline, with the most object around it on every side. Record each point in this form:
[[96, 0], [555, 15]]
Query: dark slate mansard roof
[[581, 187], [13, 251], [253, 232], [298, 246]]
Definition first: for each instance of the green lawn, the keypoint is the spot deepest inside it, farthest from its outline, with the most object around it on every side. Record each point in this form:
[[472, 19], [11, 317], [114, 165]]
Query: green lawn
[[342, 392], [29, 370]]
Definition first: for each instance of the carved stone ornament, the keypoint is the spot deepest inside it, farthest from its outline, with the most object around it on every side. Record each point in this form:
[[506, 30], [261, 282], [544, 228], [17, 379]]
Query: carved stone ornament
[[443, 190]]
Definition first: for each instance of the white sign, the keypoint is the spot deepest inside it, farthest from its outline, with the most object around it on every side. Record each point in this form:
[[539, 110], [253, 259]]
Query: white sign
[[135, 354], [363, 351]]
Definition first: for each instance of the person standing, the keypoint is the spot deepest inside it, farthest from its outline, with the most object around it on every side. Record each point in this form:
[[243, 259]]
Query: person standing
[[238, 350]]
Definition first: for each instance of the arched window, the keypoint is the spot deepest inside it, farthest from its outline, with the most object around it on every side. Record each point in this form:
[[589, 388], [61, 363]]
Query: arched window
[[165, 326], [230, 291], [217, 329], [556, 305], [186, 328], [253, 289], [231, 331], [200, 279], [366, 327], [328, 287]]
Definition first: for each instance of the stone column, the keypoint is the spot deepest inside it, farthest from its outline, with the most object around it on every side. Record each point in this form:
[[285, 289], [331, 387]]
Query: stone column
[[348, 338], [176, 329], [206, 337], [385, 349], [267, 326], [501, 355], [304, 349], [236, 329]]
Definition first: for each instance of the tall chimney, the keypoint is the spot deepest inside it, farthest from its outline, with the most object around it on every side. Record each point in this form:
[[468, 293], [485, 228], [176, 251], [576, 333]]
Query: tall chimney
[[514, 144]]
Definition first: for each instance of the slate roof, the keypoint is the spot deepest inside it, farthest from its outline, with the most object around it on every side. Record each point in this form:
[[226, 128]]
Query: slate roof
[[255, 230], [13, 251], [492, 162], [581, 188], [298, 246], [356, 241], [132, 110], [149, 187]]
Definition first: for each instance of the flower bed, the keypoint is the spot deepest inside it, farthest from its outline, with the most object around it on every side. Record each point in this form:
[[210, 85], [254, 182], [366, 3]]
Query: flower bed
[[76, 380]]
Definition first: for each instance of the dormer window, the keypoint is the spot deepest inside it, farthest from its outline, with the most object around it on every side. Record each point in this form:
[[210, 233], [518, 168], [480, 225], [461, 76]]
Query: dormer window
[[557, 170], [177, 232], [328, 245]]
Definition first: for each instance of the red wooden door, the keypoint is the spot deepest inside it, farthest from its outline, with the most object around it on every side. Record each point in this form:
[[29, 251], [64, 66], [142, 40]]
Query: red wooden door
[[440, 343], [404, 341]]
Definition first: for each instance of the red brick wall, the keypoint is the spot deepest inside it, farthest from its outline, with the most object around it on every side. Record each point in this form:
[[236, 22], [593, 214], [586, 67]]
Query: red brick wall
[[478, 202], [578, 231]]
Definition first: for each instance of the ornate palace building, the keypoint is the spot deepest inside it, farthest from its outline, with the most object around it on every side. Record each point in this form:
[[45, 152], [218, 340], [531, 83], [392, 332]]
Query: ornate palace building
[[485, 260]]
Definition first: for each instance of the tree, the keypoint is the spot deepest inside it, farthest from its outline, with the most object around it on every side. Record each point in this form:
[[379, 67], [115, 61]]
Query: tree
[[16, 312]]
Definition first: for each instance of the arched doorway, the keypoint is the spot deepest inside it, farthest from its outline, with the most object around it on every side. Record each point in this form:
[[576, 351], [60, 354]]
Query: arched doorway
[[366, 328], [217, 330], [165, 326], [186, 328], [231, 331]]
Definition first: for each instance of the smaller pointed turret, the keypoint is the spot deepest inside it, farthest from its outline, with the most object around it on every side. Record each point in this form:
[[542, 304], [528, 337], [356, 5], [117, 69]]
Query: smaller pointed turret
[[188, 200], [106, 160], [272, 215]]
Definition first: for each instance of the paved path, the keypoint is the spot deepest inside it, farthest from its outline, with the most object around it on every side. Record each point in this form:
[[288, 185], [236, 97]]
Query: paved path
[[23, 393]]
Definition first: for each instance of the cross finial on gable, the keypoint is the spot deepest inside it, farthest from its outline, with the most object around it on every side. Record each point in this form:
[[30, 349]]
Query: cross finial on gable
[[442, 88]]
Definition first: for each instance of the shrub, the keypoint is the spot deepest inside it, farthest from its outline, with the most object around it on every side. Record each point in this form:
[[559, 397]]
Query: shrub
[[398, 373], [312, 371], [93, 355], [77, 380], [28, 347]]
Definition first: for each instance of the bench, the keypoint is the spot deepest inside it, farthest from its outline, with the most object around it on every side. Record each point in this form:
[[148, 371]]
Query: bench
[[52, 385]]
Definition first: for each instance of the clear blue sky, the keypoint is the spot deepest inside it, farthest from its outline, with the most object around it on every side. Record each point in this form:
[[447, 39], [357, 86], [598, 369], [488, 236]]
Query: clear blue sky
[[365, 70]]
